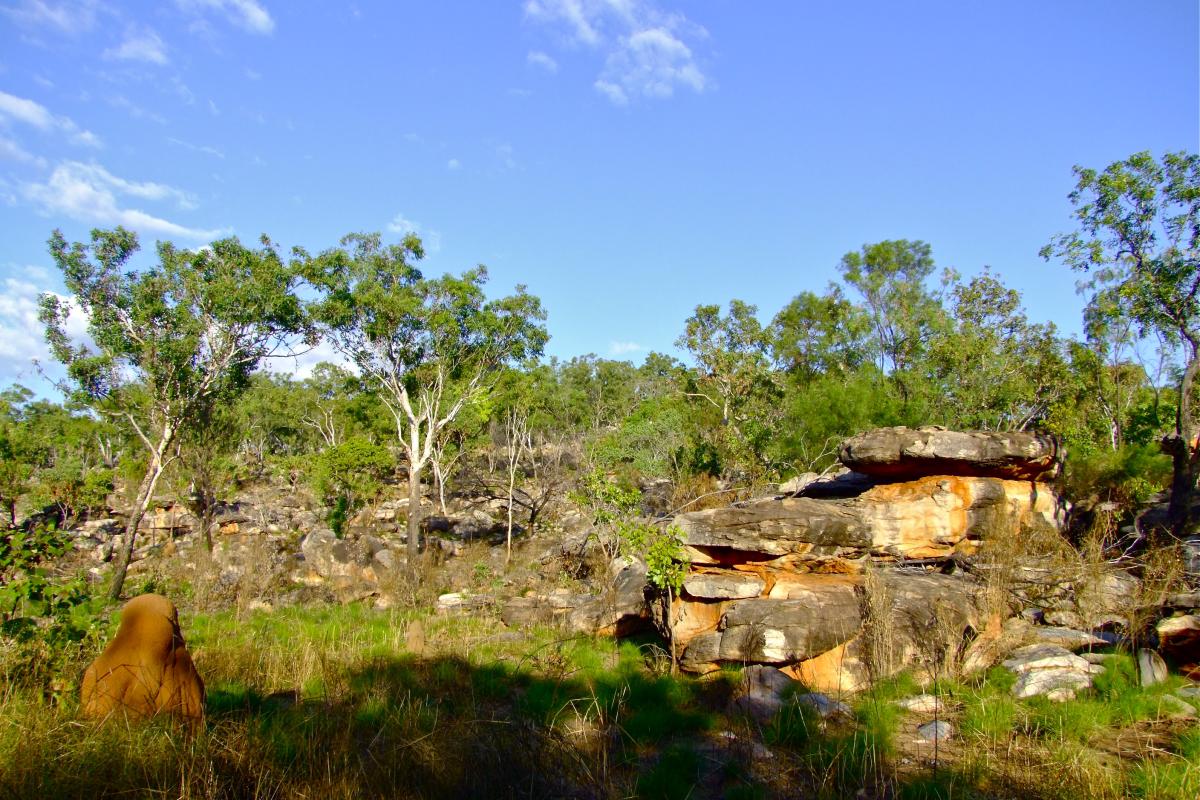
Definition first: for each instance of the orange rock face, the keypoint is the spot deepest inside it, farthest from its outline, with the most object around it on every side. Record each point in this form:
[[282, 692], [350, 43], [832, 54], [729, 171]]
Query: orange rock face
[[809, 555], [146, 670]]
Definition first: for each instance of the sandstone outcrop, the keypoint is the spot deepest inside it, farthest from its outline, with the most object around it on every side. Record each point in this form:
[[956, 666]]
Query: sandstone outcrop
[[839, 581], [913, 452]]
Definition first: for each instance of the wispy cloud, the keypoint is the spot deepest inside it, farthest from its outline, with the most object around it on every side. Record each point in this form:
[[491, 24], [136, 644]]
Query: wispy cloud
[[90, 193], [453, 164], [12, 151], [624, 348], [139, 44], [430, 238], [196, 148], [65, 17], [249, 15], [136, 111], [539, 59], [506, 155], [21, 332], [29, 112], [648, 52]]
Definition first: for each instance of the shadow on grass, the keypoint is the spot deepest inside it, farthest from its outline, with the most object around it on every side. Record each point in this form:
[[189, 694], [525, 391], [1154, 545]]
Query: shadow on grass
[[573, 725]]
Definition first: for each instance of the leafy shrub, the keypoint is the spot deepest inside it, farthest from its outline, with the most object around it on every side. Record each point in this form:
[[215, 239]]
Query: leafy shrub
[[1128, 476], [347, 475]]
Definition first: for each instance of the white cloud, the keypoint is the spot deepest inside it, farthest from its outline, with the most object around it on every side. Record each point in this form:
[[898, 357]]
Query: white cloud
[[648, 53], [249, 15], [253, 74], [430, 238], [140, 44], [11, 151], [29, 112], [67, 17], [650, 63], [300, 365], [624, 348], [22, 338], [582, 18], [453, 164], [90, 193], [539, 59]]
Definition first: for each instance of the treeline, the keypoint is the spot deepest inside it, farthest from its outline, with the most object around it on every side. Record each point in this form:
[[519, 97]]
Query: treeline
[[443, 384]]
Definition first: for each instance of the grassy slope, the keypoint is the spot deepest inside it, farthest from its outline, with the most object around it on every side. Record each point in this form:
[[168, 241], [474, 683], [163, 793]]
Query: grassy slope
[[347, 702]]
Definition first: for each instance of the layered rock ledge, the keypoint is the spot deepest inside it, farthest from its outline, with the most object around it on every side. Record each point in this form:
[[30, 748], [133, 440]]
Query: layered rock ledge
[[798, 581]]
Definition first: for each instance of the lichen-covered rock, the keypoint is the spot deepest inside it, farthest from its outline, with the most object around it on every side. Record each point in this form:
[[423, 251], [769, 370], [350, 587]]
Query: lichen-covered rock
[[907, 453]]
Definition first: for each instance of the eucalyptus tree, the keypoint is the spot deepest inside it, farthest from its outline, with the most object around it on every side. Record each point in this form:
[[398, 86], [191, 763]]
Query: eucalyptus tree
[[182, 336], [990, 367], [1139, 239], [429, 345], [816, 335], [733, 373], [890, 276]]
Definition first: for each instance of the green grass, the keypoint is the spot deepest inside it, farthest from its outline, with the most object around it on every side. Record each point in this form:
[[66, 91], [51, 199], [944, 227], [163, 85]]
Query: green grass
[[331, 703]]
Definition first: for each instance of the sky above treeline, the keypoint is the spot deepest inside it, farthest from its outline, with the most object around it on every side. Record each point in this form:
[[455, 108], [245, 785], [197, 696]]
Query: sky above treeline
[[624, 159]]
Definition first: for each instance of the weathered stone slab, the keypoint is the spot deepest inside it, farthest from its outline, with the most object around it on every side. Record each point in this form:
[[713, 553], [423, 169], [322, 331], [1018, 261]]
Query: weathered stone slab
[[723, 586], [1058, 684], [1043, 656], [925, 518], [768, 631], [906, 453], [778, 528]]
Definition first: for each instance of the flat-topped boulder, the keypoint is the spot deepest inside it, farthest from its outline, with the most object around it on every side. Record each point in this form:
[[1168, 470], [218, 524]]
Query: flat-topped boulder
[[932, 517], [906, 453]]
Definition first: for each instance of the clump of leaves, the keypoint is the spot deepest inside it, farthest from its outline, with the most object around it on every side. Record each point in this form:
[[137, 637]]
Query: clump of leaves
[[347, 475]]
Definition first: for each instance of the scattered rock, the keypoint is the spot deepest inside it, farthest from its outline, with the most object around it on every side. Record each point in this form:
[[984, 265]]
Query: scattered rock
[[1069, 638], [1176, 707], [937, 731], [1190, 692], [923, 704], [1043, 656], [1058, 684], [1097, 658], [1151, 667], [620, 610], [450, 602], [824, 705], [761, 692], [1179, 638]]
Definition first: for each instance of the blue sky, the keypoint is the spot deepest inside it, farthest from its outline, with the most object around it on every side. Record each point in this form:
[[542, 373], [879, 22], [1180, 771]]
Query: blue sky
[[626, 159]]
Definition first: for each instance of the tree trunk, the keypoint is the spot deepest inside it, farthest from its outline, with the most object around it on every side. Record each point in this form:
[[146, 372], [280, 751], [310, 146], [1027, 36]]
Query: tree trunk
[[671, 630], [1185, 456], [512, 478], [414, 515], [141, 506]]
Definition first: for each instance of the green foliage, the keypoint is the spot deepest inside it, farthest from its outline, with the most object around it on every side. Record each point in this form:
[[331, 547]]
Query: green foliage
[[347, 475], [890, 276], [43, 619], [607, 501], [1127, 476], [661, 548]]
